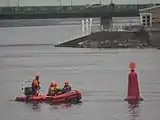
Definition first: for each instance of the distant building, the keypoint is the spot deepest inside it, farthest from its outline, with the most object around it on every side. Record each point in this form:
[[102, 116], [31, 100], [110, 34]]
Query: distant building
[[152, 15]]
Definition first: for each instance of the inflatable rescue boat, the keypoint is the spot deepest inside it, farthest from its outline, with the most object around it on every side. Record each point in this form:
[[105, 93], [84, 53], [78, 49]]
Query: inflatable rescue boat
[[72, 96]]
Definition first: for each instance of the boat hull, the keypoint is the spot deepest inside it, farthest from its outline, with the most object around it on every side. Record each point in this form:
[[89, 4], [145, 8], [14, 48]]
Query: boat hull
[[73, 95]]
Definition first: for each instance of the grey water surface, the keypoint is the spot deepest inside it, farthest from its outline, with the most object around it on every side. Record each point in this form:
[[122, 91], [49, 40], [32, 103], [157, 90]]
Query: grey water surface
[[101, 75]]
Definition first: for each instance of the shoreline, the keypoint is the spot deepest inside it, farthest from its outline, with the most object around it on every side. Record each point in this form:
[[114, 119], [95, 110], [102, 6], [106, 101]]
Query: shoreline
[[115, 39], [112, 47]]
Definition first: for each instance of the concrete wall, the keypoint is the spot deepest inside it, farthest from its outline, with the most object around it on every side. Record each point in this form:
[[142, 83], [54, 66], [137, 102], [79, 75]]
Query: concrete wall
[[155, 38], [117, 35], [155, 16], [154, 31], [151, 38], [111, 36]]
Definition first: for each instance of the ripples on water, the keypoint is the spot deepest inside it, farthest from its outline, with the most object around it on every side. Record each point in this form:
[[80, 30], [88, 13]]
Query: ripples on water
[[101, 75], [93, 73]]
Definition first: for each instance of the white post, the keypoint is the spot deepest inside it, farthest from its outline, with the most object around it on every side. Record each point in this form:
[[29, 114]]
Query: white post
[[90, 27], [122, 27], [83, 28], [86, 26], [101, 27], [59, 42], [151, 18]]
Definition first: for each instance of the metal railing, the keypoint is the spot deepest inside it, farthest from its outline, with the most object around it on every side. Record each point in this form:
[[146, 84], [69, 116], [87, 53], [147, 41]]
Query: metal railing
[[88, 29]]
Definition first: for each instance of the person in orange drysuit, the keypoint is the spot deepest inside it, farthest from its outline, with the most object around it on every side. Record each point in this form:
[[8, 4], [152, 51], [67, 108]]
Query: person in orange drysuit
[[36, 85]]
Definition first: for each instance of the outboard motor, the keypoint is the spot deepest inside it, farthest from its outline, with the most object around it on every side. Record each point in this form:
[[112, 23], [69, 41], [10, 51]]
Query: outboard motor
[[28, 91], [26, 87]]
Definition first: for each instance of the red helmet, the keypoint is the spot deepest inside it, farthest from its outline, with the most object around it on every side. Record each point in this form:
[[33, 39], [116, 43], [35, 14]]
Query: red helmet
[[66, 82], [53, 83], [37, 75]]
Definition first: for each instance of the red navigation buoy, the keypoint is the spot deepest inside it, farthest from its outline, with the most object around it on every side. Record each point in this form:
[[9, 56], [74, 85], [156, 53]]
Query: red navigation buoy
[[133, 87]]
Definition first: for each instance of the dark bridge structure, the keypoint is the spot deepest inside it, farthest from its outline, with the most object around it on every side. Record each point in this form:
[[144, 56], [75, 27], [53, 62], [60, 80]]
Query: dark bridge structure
[[45, 12], [43, 15]]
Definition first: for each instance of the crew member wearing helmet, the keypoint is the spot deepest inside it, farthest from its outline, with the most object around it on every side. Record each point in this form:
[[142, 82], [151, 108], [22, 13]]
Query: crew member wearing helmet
[[67, 87], [36, 85], [54, 89]]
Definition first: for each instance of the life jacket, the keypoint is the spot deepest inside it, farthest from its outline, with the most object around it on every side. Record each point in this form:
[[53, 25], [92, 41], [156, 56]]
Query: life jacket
[[67, 87], [35, 82], [52, 89]]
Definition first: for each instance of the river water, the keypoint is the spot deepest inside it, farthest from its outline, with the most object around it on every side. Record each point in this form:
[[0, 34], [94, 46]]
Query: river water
[[101, 75]]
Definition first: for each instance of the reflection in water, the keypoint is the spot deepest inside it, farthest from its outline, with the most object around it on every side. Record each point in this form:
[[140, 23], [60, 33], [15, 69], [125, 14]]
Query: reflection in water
[[36, 106], [56, 106], [64, 105], [133, 108]]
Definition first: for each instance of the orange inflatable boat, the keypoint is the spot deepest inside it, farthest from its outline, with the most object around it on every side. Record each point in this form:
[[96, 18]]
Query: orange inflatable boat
[[72, 96]]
